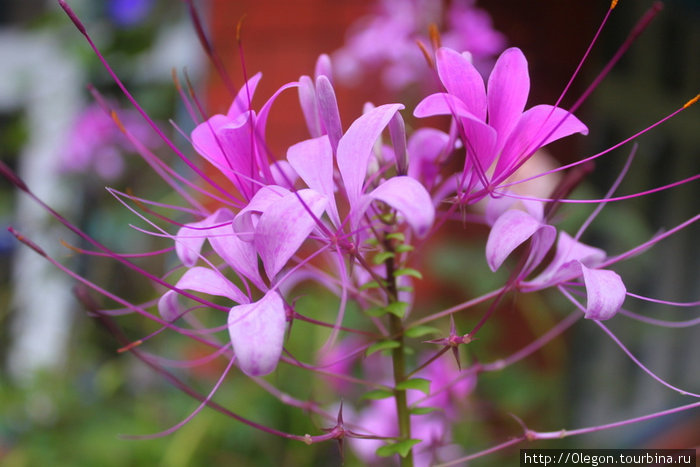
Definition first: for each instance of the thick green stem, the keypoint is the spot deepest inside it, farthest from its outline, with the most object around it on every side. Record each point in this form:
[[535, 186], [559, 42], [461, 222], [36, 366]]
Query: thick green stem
[[399, 362], [397, 356]]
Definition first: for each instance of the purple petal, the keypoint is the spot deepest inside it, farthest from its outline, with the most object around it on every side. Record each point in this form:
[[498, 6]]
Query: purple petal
[[508, 88], [511, 230], [207, 281], [442, 103], [241, 103], [355, 147], [605, 293], [257, 334], [323, 67], [409, 197], [461, 79], [425, 146], [397, 132], [328, 110], [190, 239], [536, 128], [309, 107], [564, 267], [247, 218], [313, 161], [238, 254], [227, 145], [168, 306], [285, 225]]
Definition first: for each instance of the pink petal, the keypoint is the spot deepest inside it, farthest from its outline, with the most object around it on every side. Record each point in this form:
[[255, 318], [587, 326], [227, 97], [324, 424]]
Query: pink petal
[[241, 103], [461, 79], [209, 281], [190, 239], [238, 254], [511, 230], [536, 128], [309, 107], [313, 161], [328, 110], [442, 103], [409, 197], [285, 225], [247, 218], [508, 88], [355, 147], [564, 265], [257, 334], [605, 293]]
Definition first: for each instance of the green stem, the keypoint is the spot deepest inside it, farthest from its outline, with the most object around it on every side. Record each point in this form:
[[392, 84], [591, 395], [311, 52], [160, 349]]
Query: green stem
[[404, 417], [398, 360]]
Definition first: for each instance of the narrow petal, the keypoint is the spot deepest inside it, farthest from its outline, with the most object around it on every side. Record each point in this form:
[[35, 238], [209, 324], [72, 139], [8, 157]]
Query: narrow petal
[[397, 132], [328, 110], [508, 88], [208, 281], [536, 128], [511, 230], [285, 225], [241, 103], [324, 67], [605, 293], [409, 197], [355, 147], [309, 106], [442, 103], [257, 334], [461, 79]]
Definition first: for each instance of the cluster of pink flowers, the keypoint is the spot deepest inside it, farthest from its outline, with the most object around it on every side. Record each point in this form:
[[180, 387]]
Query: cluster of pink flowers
[[349, 208]]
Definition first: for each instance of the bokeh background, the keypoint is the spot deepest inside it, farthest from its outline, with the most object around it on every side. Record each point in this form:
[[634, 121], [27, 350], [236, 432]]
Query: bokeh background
[[66, 395]]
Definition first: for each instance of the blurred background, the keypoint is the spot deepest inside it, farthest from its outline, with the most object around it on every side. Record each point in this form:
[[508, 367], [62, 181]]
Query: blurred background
[[66, 395]]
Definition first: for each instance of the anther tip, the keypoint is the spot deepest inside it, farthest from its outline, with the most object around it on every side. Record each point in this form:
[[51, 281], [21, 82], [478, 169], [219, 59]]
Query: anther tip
[[613, 4], [691, 101]]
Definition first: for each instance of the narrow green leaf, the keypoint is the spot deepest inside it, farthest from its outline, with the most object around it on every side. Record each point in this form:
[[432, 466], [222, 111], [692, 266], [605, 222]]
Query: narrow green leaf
[[382, 345], [398, 236], [408, 272], [380, 258], [423, 410], [377, 312], [420, 384], [402, 448], [370, 285], [404, 248], [420, 331], [397, 308], [378, 394]]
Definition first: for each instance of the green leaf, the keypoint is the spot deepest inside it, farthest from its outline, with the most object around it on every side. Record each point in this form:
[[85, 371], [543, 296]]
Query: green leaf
[[397, 308], [377, 312], [402, 448], [382, 345], [370, 285], [378, 394], [408, 272], [420, 384], [423, 410], [398, 236], [379, 258], [404, 248], [420, 331], [404, 289]]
